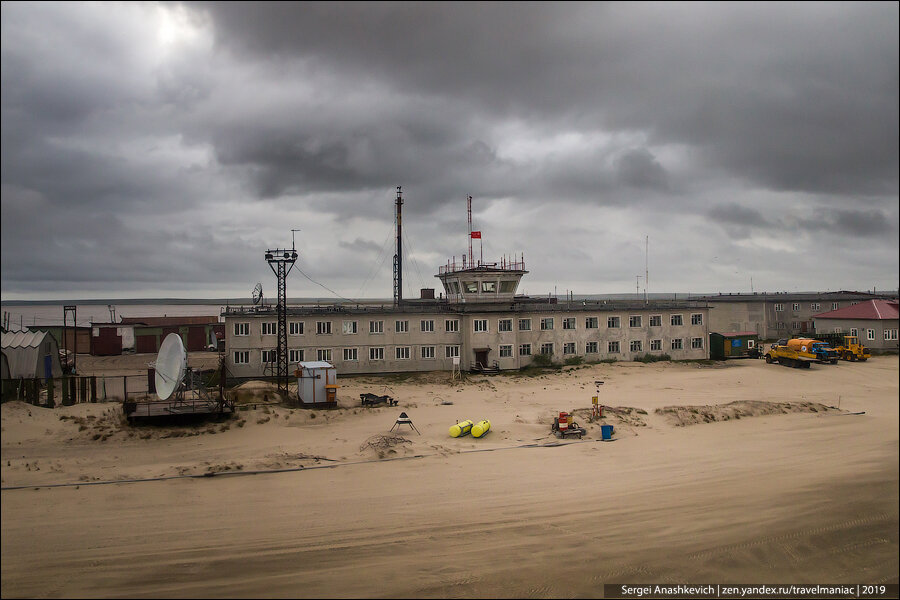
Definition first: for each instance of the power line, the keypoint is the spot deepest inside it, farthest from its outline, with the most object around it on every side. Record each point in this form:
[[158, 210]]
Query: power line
[[323, 286]]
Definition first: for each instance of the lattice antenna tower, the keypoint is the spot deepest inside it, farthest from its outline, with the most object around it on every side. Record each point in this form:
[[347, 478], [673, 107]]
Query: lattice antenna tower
[[281, 261]]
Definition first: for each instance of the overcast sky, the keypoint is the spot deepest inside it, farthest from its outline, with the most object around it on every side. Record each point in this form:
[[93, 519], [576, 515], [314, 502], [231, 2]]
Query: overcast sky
[[157, 150]]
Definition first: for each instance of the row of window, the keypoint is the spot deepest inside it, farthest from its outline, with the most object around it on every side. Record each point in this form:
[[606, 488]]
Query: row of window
[[889, 334], [815, 306], [479, 325], [242, 357]]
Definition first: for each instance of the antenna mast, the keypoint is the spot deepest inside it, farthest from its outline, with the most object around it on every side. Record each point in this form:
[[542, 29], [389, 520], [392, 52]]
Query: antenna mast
[[646, 269], [469, 208], [398, 257]]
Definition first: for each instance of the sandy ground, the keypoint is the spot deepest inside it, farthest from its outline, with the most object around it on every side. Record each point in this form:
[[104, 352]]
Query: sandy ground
[[734, 473]]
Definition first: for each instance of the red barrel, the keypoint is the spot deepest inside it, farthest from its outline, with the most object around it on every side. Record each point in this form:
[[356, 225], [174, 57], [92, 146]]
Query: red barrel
[[563, 421]]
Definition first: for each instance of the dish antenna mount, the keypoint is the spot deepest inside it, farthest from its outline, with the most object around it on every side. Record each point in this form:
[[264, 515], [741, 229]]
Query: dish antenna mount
[[257, 294], [171, 364]]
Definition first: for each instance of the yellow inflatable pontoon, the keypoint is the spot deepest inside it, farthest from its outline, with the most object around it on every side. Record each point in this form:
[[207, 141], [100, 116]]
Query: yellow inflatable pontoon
[[481, 428], [461, 429]]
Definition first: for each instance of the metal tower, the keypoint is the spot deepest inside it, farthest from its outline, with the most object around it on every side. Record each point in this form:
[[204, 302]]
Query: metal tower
[[398, 257], [281, 261]]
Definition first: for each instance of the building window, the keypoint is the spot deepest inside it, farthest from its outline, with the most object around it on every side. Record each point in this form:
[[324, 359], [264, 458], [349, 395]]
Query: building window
[[471, 287], [546, 323], [569, 323], [524, 349], [323, 354], [401, 326], [890, 335], [676, 320], [547, 348], [637, 346], [612, 322], [507, 287], [590, 348], [451, 351], [488, 287], [697, 343], [853, 331], [427, 351], [814, 306], [612, 347], [591, 323], [779, 307], [376, 353], [634, 321], [504, 325], [269, 356], [569, 348], [351, 354], [834, 306], [795, 324], [655, 345], [795, 306], [655, 320], [697, 319], [295, 356], [779, 325], [452, 325], [270, 328], [480, 325], [323, 327], [524, 324], [677, 344], [427, 326], [242, 329], [376, 327], [295, 328], [402, 352], [870, 334], [505, 350], [242, 357], [349, 327]]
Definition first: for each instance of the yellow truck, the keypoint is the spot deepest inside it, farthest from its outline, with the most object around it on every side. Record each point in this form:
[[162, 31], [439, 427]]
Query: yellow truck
[[801, 352], [852, 350]]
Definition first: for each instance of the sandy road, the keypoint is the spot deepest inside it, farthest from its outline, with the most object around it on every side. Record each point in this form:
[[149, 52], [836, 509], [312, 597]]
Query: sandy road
[[747, 501]]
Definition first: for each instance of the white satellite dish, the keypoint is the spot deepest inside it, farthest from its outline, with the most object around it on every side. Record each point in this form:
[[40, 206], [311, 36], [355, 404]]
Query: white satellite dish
[[171, 363]]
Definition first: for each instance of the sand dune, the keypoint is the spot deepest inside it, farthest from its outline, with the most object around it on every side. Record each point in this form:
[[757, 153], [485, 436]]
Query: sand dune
[[740, 472]]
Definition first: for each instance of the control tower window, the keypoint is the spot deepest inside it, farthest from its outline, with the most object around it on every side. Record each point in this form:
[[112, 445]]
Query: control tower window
[[489, 287], [471, 287], [507, 287]]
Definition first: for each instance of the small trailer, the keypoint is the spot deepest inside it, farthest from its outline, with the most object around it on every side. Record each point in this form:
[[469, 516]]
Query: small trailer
[[374, 399], [564, 426]]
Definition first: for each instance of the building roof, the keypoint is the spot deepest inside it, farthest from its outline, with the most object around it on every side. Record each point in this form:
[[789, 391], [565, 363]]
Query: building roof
[[795, 296], [734, 334], [316, 364], [871, 309], [171, 321], [23, 339]]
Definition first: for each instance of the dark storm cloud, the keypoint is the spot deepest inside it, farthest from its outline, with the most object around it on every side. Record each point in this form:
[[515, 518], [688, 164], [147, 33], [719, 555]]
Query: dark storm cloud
[[160, 146], [792, 96]]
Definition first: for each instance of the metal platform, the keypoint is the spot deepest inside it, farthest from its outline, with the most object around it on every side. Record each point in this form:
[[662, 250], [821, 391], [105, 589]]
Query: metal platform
[[162, 409]]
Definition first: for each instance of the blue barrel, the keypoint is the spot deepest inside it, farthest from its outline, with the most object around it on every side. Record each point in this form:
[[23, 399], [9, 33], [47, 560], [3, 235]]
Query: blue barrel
[[606, 432]]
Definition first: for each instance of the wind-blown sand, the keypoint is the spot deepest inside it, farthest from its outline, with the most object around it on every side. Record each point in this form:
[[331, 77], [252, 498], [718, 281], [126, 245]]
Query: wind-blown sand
[[740, 472]]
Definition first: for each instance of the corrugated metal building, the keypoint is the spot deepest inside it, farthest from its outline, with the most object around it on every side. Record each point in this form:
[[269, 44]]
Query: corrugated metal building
[[31, 355], [197, 332]]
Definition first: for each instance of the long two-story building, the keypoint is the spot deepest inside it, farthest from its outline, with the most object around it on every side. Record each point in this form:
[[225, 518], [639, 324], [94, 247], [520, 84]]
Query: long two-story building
[[478, 319]]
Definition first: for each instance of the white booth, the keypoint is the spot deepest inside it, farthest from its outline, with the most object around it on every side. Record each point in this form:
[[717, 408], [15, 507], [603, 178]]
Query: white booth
[[316, 384]]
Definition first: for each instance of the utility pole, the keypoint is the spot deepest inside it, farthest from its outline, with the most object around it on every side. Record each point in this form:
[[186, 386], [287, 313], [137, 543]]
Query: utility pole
[[281, 261], [398, 257]]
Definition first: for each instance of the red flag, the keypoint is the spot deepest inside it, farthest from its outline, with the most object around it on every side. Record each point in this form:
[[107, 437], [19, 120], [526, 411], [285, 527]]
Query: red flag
[[476, 235]]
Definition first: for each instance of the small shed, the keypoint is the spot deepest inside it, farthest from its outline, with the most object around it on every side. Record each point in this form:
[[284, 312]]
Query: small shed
[[31, 355], [737, 344], [316, 384]]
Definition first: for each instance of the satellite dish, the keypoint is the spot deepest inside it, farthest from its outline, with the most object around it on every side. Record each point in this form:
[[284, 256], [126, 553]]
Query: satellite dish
[[171, 363], [257, 293]]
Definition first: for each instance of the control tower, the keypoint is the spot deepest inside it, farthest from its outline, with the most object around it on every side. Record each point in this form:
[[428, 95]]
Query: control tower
[[479, 281]]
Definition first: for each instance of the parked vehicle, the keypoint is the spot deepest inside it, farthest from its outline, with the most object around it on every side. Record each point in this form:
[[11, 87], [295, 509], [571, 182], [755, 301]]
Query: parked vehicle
[[852, 350]]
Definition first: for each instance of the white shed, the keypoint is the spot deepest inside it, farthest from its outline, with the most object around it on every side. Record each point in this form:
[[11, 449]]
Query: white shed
[[316, 383], [31, 354]]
